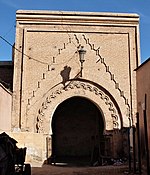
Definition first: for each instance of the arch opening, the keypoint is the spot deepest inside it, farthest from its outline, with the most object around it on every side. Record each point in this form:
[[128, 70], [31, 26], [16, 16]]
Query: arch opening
[[78, 131]]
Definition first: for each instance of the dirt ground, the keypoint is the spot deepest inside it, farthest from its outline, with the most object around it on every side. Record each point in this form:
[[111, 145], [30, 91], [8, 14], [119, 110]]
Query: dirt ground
[[76, 170]]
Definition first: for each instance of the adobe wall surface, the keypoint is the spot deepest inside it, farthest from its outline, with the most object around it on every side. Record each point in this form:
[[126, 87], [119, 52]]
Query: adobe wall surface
[[47, 67], [143, 87], [5, 109]]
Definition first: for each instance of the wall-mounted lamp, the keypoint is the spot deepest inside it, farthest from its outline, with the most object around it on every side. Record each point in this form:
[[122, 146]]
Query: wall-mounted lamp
[[81, 58]]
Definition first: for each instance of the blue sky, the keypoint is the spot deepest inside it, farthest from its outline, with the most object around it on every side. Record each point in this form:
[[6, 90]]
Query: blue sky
[[8, 14]]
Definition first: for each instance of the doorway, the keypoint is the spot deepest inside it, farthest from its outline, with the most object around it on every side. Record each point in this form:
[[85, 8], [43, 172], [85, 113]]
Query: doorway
[[77, 127]]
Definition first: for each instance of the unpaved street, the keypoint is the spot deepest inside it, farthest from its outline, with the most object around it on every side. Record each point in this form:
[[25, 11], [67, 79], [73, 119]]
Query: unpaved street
[[72, 170]]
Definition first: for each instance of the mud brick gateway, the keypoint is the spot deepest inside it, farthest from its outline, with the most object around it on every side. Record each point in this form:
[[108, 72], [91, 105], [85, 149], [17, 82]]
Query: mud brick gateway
[[62, 109]]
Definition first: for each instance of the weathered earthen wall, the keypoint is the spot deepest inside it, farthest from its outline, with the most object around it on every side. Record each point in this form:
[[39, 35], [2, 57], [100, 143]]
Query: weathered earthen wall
[[143, 87], [5, 109]]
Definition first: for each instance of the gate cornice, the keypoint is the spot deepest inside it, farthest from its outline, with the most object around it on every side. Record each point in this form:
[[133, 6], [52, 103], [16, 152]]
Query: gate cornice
[[86, 86]]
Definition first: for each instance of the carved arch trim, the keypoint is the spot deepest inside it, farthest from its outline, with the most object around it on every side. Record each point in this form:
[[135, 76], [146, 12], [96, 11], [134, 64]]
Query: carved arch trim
[[86, 87]]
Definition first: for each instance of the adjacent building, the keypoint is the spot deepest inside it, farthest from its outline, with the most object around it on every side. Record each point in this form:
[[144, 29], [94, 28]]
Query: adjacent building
[[6, 84], [5, 109], [143, 104], [6, 74]]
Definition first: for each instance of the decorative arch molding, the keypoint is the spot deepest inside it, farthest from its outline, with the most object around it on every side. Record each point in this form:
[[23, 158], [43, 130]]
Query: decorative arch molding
[[84, 86]]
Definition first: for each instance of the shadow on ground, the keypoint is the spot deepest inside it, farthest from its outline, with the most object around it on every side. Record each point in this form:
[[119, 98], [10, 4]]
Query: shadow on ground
[[65, 169]]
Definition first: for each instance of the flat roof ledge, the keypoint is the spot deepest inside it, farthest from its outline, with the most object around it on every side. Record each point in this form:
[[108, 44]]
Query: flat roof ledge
[[32, 15]]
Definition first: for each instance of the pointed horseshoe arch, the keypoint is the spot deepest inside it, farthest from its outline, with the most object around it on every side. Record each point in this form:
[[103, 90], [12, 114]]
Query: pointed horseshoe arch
[[101, 97]]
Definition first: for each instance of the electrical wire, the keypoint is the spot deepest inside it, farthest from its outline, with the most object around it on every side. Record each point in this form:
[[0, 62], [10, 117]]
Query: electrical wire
[[13, 26], [13, 46], [21, 51]]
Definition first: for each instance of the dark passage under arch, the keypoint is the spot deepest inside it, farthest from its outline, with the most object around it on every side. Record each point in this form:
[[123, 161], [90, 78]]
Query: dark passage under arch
[[77, 127]]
